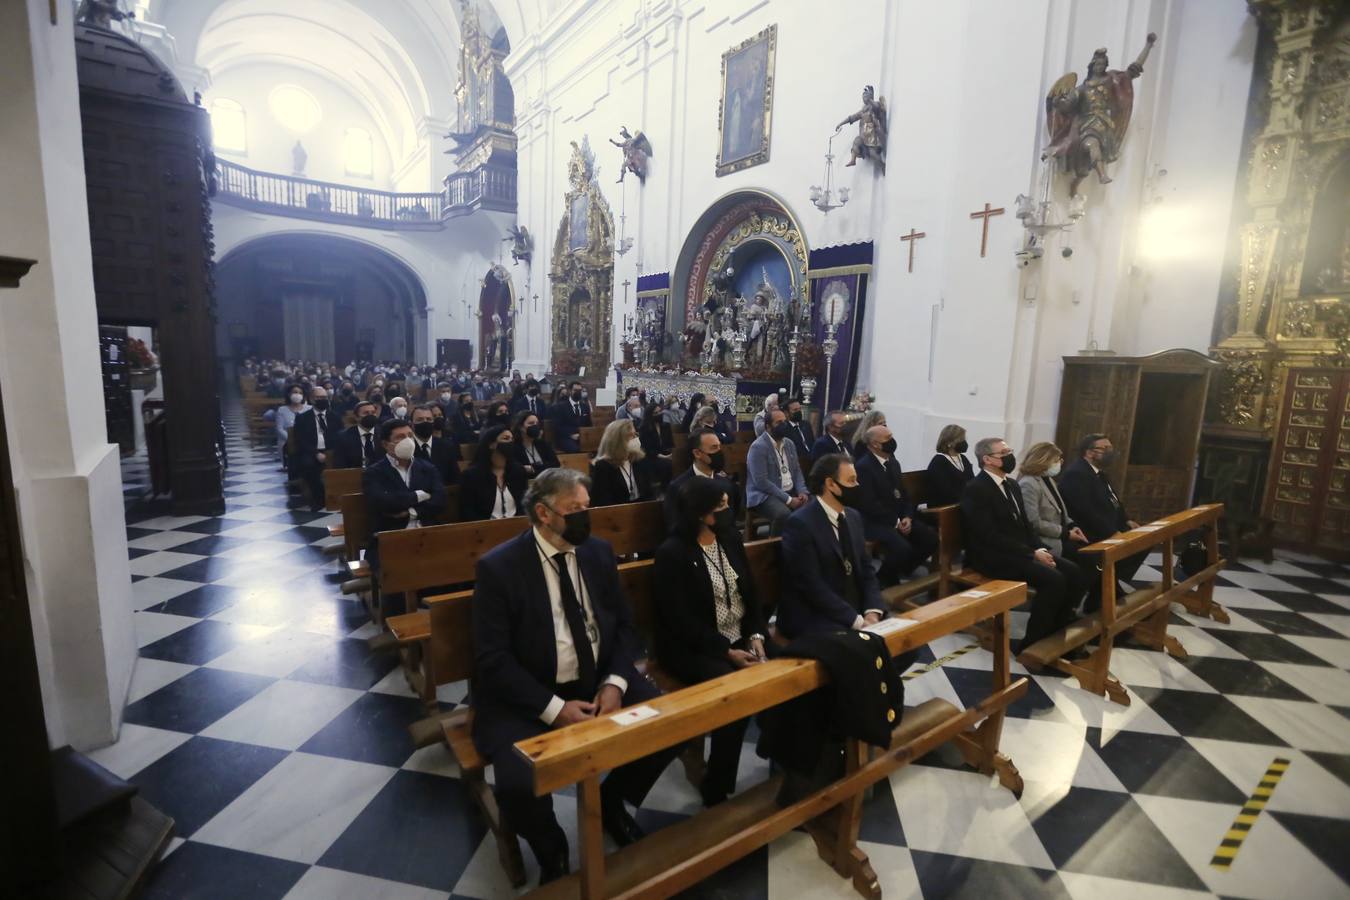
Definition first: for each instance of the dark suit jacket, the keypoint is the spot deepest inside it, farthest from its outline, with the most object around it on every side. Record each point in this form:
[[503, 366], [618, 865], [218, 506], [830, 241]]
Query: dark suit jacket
[[523, 402], [305, 433], [515, 655], [686, 614], [464, 430], [878, 502], [565, 424], [945, 483], [813, 590], [478, 491], [349, 449], [445, 457], [993, 534], [1089, 501], [825, 445], [550, 459], [800, 433], [671, 510], [387, 496], [608, 486]]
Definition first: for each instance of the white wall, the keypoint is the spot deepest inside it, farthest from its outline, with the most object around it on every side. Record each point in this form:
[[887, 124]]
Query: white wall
[[965, 82], [66, 474]]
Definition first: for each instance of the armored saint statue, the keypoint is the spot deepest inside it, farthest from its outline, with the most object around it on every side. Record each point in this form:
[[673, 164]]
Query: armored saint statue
[[871, 140], [637, 150], [1087, 122]]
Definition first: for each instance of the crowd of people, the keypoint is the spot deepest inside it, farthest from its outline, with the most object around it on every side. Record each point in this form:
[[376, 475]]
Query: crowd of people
[[544, 666]]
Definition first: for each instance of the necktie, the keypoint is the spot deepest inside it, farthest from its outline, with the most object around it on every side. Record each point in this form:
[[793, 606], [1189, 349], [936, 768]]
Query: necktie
[[1011, 494], [576, 623], [1109, 491], [323, 422], [370, 446], [423, 451], [532, 409], [846, 544]]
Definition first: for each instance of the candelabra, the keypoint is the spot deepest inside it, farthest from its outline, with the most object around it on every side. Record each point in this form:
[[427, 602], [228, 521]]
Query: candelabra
[[793, 343], [1037, 220], [808, 389], [830, 346], [823, 198], [738, 349]]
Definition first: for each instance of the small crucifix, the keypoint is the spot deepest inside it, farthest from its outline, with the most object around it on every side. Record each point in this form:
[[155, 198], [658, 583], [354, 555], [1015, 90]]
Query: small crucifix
[[912, 237], [984, 235]]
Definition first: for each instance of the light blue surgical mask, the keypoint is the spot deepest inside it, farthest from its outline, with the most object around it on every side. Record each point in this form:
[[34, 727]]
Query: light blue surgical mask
[[1053, 471]]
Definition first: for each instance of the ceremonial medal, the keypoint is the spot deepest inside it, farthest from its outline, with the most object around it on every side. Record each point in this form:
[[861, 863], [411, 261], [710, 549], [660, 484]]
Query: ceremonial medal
[[848, 567], [896, 492]]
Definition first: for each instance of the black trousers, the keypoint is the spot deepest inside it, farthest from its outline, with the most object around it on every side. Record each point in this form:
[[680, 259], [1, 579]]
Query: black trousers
[[532, 817], [1058, 591], [1090, 564], [902, 554], [724, 754], [310, 471]]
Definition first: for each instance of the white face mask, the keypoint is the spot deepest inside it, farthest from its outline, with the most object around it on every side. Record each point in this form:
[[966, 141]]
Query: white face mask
[[445, 398], [634, 445], [404, 449], [400, 412], [297, 399], [1053, 470]]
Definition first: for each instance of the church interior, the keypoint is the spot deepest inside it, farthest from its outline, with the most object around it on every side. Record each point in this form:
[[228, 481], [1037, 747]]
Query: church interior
[[360, 359]]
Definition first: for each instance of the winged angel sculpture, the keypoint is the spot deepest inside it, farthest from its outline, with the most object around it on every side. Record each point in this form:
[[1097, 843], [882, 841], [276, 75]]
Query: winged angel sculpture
[[1087, 122], [637, 150]]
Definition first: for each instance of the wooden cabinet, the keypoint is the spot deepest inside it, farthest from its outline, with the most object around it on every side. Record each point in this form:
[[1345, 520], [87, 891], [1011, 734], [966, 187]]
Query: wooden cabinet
[[1309, 484], [1152, 408]]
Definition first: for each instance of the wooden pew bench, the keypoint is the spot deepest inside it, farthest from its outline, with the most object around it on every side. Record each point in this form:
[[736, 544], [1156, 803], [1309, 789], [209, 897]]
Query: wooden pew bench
[[590, 438]]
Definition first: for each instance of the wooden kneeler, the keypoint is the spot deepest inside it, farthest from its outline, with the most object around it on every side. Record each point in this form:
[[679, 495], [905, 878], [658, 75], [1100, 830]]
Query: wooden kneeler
[[1144, 613], [677, 857]]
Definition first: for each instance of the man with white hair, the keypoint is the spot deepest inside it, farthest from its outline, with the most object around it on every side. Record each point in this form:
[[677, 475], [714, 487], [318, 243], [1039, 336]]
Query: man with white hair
[[770, 404]]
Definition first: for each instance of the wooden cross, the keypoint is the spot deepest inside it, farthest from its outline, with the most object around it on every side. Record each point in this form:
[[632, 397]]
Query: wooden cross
[[912, 237], [985, 214]]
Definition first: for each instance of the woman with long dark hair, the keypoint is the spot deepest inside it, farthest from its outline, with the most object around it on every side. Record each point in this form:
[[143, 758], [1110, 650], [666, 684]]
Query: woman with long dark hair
[[532, 451], [494, 484]]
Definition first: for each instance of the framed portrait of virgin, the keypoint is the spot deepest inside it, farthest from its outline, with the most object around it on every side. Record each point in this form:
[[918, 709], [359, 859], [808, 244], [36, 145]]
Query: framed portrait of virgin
[[746, 109], [578, 226]]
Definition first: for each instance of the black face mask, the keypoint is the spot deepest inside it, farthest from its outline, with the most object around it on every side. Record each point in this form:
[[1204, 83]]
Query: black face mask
[[321, 405], [424, 429], [718, 461], [576, 395], [347, 392], [889, 446], [501, 417], [533, 432], [850, 494], [369, 421], [961, 446], [577, 528], [1008, 463], [724, 521], [377, 399], [797, 416], [533, 392], [780, 431], [466, 408]]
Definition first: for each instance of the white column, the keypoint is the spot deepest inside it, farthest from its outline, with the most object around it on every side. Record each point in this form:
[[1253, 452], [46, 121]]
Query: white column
[[66, 474]]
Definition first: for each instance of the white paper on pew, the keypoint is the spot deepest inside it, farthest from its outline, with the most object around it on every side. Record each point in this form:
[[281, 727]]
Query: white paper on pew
[[636, 714], [974, 595], [1143, 528], [886, 626], [1112, 541]]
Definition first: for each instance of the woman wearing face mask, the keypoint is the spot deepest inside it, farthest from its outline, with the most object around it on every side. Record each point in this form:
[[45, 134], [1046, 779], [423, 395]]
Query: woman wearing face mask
[[499, 413], [949, 469], [494, 484], [1045, 508], [870, 419], [621, 472], [465, 426], [708, 617], [657, 442], [285, 419], [532, 451]]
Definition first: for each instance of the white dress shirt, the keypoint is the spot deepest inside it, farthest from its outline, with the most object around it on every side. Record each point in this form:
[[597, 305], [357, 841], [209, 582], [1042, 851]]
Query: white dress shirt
[[503, 504], [422, 496], [833, 516]]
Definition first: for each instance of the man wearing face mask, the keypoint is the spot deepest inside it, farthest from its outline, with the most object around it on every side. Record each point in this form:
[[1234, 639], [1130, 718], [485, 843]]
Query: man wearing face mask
[[314, 432], [554, 645], [800, 433], [828, 581], [568, 420], [401, 490], [775, 487], [529, 399], [399, 407], [832, 441], [1000, 543], [889, 516], [1093, 503], [706, 461], [358, 446], [442, 452]]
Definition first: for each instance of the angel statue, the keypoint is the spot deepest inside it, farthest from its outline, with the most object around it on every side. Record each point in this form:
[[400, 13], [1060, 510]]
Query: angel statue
[[871, 140], [636, 151], [1087, 122], [522, 245]]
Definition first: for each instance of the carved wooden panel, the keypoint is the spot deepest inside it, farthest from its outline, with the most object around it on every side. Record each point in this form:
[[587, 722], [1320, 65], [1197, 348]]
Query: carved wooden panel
[[1309, 495]]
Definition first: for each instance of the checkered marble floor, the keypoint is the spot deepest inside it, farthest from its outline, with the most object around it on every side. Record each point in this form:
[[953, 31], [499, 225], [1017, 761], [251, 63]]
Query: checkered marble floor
[[261, 722]]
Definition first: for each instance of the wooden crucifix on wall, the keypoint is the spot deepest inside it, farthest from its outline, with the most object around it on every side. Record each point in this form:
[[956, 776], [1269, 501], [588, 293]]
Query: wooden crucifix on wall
[[912, 237], [985, 214]]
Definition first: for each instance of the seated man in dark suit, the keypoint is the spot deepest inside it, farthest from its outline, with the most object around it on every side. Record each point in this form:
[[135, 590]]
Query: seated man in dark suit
[[401, 491], [1092, 502], [889, 517], [554, 644], [707, 461], [359, 446], [829, 583], [530, 399], [832, 441], [568, 420], [799, 432], [577, 391], [442, 452], [313, 433], [1000, 543]]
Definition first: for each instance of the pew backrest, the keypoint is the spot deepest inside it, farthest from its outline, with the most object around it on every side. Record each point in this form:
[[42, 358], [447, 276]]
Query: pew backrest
[[354, 524], [338, 483], [579, 462], [590, 437]]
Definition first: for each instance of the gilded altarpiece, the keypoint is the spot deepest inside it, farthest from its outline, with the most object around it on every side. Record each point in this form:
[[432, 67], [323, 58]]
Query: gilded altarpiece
[[582, 274], [1288, 320]]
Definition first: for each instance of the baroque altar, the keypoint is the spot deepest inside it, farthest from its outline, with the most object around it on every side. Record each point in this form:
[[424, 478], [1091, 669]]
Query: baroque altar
[[582, 273]]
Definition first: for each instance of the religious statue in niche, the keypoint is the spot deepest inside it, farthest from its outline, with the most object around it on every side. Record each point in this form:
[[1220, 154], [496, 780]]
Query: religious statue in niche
[[1087, 122], [522, 244], [637, 150], [299, 157], [871, 140]]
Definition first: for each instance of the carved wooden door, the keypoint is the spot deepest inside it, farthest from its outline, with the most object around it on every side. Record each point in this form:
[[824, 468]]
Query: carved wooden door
[[1310, 463]]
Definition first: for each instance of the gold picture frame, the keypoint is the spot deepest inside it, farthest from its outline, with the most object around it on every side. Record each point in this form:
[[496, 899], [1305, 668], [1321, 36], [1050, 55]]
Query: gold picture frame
[[745, 106]]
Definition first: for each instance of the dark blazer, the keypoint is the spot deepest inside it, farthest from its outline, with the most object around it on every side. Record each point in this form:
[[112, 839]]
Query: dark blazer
[[813, 590], [349, 449], [608, 486], [881, 497], [800, 433], [305, 433], [464, 430], [686, 615], [445, 457], [523, 402], [565, 424], [478, 491], [388, 500], [1086, 494], [670, 508], [992, 533], [655, 443], [825, 445], [945, 482], [515, 655], [550, 459]]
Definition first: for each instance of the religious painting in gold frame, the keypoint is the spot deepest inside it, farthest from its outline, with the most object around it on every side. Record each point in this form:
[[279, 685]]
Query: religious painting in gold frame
[[745, 110]]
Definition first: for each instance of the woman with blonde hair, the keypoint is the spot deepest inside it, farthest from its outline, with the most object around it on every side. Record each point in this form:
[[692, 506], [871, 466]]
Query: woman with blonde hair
[[949, 470], [870, 418], [1044, 507], [620, 472]]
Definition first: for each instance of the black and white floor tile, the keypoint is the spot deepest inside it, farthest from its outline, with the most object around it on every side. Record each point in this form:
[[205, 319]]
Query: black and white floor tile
[[260, 720]]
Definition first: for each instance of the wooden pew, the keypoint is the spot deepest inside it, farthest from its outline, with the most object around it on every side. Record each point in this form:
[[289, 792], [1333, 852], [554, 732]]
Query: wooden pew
[[1141, 613], [580, 462], [745, 436], [679, 856], [337, 483], [590, 438]]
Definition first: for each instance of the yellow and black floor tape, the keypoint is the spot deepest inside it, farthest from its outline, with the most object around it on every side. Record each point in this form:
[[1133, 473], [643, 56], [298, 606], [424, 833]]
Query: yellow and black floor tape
[[937, 663], [1242, 824]]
